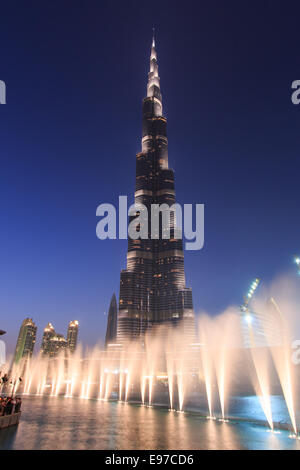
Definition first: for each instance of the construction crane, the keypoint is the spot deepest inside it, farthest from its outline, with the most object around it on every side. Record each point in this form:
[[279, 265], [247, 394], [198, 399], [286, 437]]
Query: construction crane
[[245, 307]]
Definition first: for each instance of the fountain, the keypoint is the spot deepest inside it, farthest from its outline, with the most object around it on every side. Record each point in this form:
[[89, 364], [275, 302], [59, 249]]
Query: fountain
[[165, 369]]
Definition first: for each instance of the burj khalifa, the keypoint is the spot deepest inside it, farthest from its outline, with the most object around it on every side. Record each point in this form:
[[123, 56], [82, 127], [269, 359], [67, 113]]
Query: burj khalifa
[[152, 287]]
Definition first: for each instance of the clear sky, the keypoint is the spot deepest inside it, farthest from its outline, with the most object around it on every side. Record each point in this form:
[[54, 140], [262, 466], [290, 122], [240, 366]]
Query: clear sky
[[76, 75]]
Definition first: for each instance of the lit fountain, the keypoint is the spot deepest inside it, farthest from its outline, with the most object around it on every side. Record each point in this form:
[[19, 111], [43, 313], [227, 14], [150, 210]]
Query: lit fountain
[[283, 364], [260, 379], [205, 324], [122, 376], [226, 333], [170, 373], [161, 370]]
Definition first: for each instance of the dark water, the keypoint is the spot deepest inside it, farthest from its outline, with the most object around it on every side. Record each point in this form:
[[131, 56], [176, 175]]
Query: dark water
[[62, 423]]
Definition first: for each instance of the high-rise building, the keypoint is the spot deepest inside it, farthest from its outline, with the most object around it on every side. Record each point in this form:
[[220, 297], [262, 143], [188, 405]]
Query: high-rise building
[[57, 344], [53, 343], [111, 330], [152, 287], [72, 335], [49, 332], [26, 340]]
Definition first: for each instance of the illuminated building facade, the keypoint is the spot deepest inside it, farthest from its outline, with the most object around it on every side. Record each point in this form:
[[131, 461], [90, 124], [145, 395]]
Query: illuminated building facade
[[49, 332], [26, 340], [72, 335], [53, 343], [152, 287], [57, 344], [111, 330]]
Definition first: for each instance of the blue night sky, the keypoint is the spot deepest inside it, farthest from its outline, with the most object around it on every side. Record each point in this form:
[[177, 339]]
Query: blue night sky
[[76, 76]]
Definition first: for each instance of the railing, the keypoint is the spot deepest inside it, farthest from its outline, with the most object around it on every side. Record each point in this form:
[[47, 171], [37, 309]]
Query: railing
[[9, 420]]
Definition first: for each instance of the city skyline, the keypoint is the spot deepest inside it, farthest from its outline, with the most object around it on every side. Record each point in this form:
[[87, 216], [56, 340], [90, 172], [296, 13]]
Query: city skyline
[[52, 341], [230, 117]]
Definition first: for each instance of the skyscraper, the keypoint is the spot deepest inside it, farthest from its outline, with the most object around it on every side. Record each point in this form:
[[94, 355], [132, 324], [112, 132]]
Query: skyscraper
[[49, 332], [111, 330], [53, 343], [152, 288], [57, 344], [26, 340], [72, 335]]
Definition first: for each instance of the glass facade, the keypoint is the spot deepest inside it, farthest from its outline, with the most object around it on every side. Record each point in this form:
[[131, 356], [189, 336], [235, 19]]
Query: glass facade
[[72, 335], [26, 340], [152, 287], [111, 331]]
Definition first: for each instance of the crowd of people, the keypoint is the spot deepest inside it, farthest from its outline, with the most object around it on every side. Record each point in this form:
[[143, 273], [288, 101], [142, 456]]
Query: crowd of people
[[10, 405]]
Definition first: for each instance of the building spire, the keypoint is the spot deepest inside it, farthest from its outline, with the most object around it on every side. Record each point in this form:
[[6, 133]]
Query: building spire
[[153, 37], [153, 86]]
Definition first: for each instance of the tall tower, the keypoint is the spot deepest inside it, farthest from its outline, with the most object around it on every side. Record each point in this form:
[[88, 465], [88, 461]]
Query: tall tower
[[57, 344], [49, 332], [152, 288], [111, 330], [72, 335], [26, 340]]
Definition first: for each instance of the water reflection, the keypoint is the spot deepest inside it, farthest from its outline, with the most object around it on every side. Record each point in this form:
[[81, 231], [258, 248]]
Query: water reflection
[[63, 423]]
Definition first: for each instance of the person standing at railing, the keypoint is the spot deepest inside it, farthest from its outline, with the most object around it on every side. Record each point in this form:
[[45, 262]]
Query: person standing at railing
[[18, 405], [2, 406], [8, 407]]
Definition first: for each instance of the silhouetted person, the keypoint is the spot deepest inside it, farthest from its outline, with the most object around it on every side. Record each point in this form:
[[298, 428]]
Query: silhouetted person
[[8, 407], [18, 405], [4, 379]]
